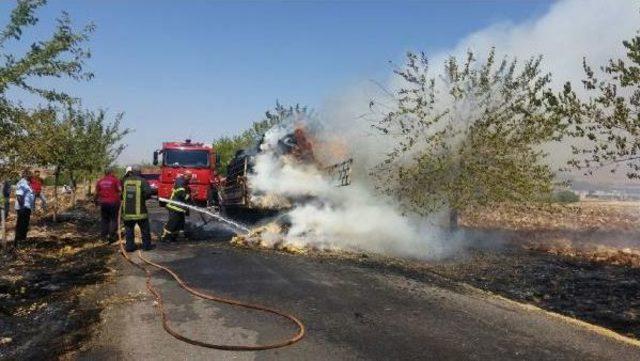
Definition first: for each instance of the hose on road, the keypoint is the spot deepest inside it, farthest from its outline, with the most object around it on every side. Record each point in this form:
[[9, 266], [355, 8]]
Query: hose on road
[[165, 319]]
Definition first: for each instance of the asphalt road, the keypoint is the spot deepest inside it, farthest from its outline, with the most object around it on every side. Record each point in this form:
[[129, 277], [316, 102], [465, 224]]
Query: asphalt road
[[351, 313]]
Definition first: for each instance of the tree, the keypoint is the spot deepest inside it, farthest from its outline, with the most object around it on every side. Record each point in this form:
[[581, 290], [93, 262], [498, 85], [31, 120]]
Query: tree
[[470, 138], [609, 119], [73, 141], [61, 55], [95, 142], [227, 147]]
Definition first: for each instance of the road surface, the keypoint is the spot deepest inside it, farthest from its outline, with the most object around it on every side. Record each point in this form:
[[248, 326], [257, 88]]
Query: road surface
[[351, 313]]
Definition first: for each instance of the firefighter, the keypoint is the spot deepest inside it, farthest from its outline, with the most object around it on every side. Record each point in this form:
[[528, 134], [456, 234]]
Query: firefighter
[[177, 213], [135, 192], [108, 190]]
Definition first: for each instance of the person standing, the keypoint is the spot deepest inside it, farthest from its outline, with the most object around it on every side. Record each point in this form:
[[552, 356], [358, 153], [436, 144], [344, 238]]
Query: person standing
[[107, 196], [4, 203], [6, 195], [177, 213], [25, 199], [36, 185], [135, 192]]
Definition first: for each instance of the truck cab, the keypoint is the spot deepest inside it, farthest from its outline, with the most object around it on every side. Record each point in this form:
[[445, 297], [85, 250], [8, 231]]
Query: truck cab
[[179, 157]]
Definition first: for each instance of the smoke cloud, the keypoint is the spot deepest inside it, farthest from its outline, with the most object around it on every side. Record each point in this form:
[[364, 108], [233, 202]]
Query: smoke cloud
[[327, 216], [568, 32]]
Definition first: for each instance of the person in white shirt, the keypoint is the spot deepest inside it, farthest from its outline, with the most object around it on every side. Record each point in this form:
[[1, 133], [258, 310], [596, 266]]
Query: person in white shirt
[[25, 199]]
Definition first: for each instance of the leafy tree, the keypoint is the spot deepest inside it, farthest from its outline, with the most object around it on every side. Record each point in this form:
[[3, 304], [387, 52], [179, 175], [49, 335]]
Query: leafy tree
[[227, 147], [96, 142], [609, 119], [76, 143], [61, 55], [470, 137]]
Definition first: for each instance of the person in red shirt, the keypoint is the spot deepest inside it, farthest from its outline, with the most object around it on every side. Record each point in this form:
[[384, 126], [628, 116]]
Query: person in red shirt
[[35, 182], [108, 193]]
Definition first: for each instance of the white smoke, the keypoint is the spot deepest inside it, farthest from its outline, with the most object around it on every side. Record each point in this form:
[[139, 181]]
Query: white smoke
[[328, 216], [568, 32]]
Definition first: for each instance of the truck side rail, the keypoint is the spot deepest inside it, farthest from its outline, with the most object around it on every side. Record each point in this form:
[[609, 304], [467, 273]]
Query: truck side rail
[[340, 172]]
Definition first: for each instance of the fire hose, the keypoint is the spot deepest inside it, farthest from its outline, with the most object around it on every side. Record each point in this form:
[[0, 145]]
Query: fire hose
[[163, 313]]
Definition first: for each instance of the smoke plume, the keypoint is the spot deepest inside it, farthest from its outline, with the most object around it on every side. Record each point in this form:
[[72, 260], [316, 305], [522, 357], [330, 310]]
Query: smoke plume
[[327, 216]]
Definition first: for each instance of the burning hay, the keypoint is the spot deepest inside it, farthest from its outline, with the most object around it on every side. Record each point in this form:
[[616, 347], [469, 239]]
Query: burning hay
[[270, 201], [269, 236]]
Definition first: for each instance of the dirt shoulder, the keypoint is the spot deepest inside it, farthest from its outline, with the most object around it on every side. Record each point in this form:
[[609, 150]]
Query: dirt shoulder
[[46, 286]]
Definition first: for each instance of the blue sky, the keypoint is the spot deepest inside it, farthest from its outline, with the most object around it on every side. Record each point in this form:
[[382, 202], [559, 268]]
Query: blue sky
[[209, 68]]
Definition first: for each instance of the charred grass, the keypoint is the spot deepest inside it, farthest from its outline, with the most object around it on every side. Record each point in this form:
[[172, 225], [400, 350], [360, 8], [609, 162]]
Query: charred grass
[[45, 285], [581, 260], [594, 291]]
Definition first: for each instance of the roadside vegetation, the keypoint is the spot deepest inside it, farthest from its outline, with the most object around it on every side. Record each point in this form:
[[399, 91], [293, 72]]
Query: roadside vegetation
[[45, 283], [470, 137], [55, 132], [476, 134]]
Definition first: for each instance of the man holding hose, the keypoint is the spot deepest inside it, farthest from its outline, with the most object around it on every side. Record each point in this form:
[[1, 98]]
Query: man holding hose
[[177, 213]]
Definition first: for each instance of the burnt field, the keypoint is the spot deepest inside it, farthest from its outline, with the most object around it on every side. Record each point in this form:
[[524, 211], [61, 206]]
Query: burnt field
[[596, 292], [46, 299], [580, 260]]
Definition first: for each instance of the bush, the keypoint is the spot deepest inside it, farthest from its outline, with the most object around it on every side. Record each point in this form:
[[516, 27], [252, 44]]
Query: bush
[[565, 197]]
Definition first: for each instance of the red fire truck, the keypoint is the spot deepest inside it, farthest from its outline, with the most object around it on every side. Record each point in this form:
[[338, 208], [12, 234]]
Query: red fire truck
[[200, 159]]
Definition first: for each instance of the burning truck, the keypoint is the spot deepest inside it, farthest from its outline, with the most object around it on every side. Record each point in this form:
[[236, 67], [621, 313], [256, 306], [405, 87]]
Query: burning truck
[[294, 170], [273, 175], [293, 147]]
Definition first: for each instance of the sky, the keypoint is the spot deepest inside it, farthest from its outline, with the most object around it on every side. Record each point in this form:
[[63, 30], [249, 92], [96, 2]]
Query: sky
[[204, 69]]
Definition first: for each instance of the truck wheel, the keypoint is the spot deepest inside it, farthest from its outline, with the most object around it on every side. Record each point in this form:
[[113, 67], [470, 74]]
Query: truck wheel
[[162, 204]]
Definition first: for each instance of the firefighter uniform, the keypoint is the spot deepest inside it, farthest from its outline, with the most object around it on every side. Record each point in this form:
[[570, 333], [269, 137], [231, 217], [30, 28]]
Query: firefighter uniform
[[135, 192], [177, 213]]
